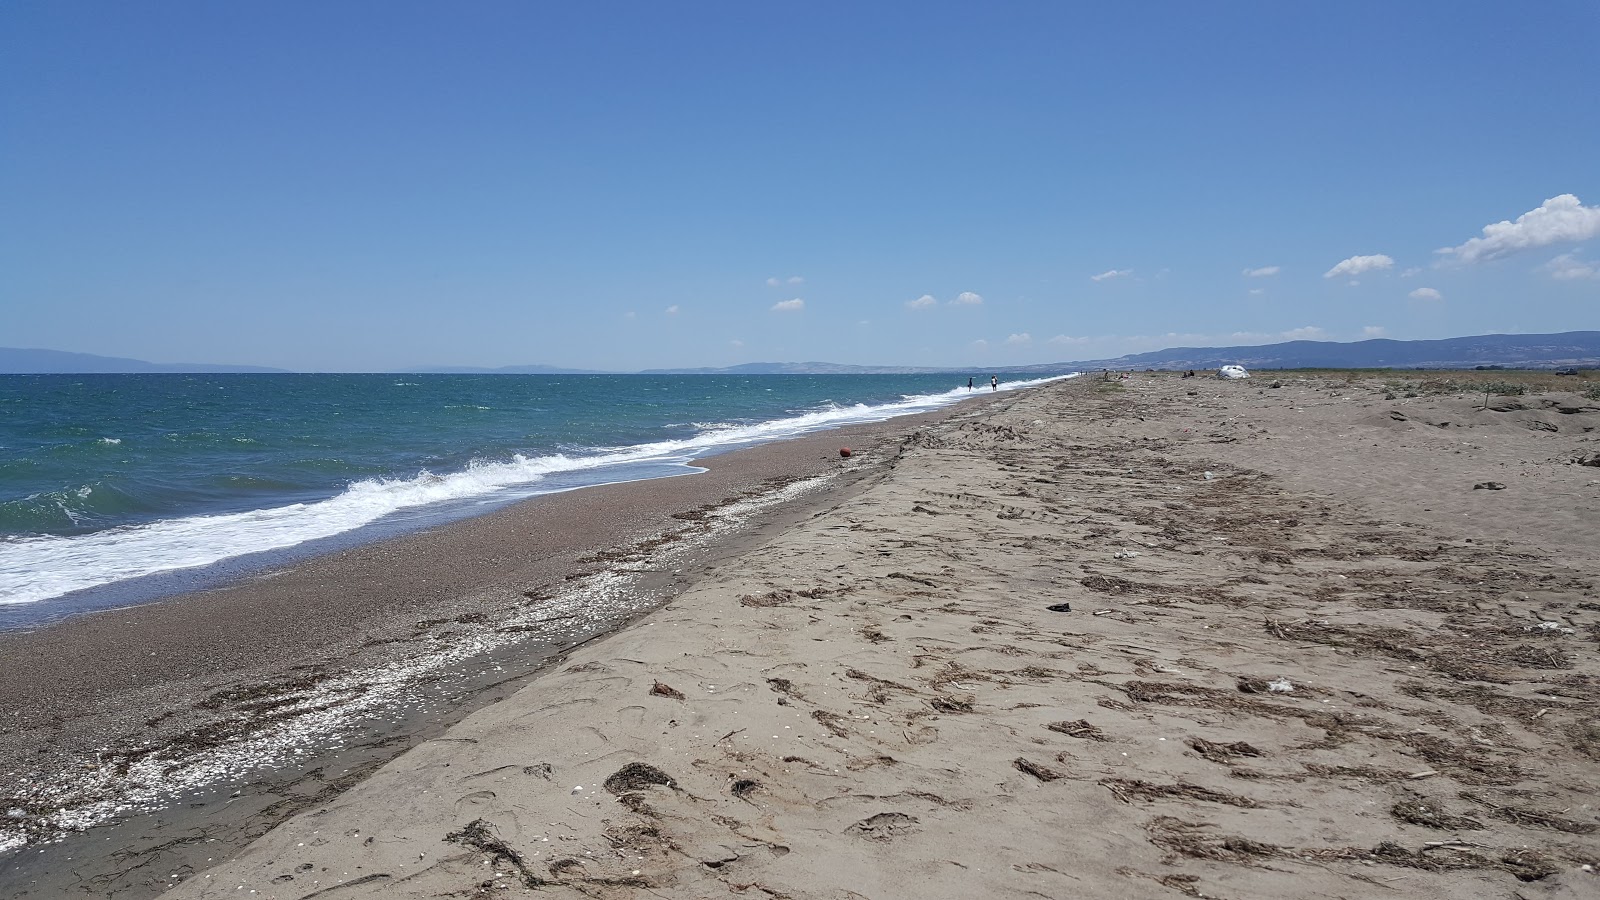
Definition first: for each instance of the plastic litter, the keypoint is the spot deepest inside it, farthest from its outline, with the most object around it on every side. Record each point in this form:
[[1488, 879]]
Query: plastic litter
[[1280, 686]]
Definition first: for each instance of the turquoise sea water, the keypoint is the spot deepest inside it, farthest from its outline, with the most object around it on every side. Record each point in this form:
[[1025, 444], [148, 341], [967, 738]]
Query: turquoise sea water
[[111, 484]]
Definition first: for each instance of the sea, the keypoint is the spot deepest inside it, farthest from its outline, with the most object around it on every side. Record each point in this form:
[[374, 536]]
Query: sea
[[123, 489]]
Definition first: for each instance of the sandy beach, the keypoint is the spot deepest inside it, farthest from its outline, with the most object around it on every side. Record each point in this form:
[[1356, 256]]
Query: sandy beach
[[183, 729], [1153, 637]]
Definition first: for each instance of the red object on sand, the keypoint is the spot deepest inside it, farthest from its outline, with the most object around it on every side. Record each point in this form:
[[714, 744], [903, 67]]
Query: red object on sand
[[844, 451]]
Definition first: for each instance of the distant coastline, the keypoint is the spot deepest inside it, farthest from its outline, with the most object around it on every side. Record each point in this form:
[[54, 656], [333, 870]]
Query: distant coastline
[[1579, 349]]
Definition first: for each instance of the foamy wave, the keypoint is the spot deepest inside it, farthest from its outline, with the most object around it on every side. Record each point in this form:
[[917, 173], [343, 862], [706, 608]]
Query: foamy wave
[[40, 568]]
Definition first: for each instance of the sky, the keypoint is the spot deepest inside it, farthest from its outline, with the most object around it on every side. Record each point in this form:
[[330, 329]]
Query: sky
[[371, 186]]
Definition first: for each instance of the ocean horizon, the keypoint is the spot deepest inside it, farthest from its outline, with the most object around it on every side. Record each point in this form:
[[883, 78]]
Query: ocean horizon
[[122, 489]]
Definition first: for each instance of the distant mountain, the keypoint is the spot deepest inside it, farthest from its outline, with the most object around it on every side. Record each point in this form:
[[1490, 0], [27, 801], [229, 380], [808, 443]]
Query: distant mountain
[[503, 370], [805, 368], [1526, 351], [48, 362]]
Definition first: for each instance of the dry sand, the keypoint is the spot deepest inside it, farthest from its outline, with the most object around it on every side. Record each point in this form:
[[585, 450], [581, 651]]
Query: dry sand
[[1160, 637]]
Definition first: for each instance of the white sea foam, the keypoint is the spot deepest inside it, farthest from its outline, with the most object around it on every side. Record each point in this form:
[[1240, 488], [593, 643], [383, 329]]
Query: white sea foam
[[41, 568]]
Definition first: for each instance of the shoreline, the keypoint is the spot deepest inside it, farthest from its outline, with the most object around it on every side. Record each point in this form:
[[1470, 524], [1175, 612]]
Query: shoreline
[[264, 646], [1062, 647]]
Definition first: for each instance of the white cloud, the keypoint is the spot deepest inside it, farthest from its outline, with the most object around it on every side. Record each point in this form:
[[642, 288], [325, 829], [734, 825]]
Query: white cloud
[[1558, 220], [776, 281], [672, 310], [1568, 267], [926, 301], [1257, 291], [1411, 272], [1069, 340], [967, 298], [794, 305], [1304, 333], [980, 344], [630, 315], [1111, 273], [1356, 265], [1020, 339], [1425, 294], [736, 343], [1374, 331], [1263, 272]]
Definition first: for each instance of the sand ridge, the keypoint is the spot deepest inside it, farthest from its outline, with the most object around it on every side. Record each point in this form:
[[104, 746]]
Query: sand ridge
[[1079, 643]]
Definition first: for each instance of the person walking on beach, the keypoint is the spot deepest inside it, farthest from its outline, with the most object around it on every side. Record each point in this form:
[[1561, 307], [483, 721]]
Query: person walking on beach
[[969, 382], [994, 382]]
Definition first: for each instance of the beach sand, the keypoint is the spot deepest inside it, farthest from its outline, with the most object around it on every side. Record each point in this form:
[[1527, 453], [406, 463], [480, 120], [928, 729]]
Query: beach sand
[[1157, 637], [195, 724]]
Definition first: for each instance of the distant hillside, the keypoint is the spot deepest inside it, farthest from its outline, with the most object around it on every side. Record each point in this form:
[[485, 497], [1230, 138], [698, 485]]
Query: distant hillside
[[57, 362], [1530, 351], [502, 370], [805, 368]]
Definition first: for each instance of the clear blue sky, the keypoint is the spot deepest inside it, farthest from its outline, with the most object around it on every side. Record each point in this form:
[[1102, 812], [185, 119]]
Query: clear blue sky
[[375, 185]]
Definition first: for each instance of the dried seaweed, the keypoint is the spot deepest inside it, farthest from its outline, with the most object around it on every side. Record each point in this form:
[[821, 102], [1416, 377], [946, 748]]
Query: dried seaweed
[[1042, 773], [636, 776], [1222, 753], [660, 689], [478, 835], [1135, 788], [1430, 813], [952, 704], [1192, 839], [830, 721], [1079, 729]]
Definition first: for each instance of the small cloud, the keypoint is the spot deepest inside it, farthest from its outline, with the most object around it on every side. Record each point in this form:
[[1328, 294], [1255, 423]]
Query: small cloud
[[630, 315], [1425, 294], [1356, 265], [1019, 339], [1069, 340], [980, 344], [1111, 273], [796, 279], [1568, 267], [736, 343], [967, 298], [672, 310], [1257, 291], [774, 281], [926, 301], [1374, 331], [779, 281], [1411, 272], [794, 305], [864, 322], [1559, 220], [1263, 272], [1304, 333]]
